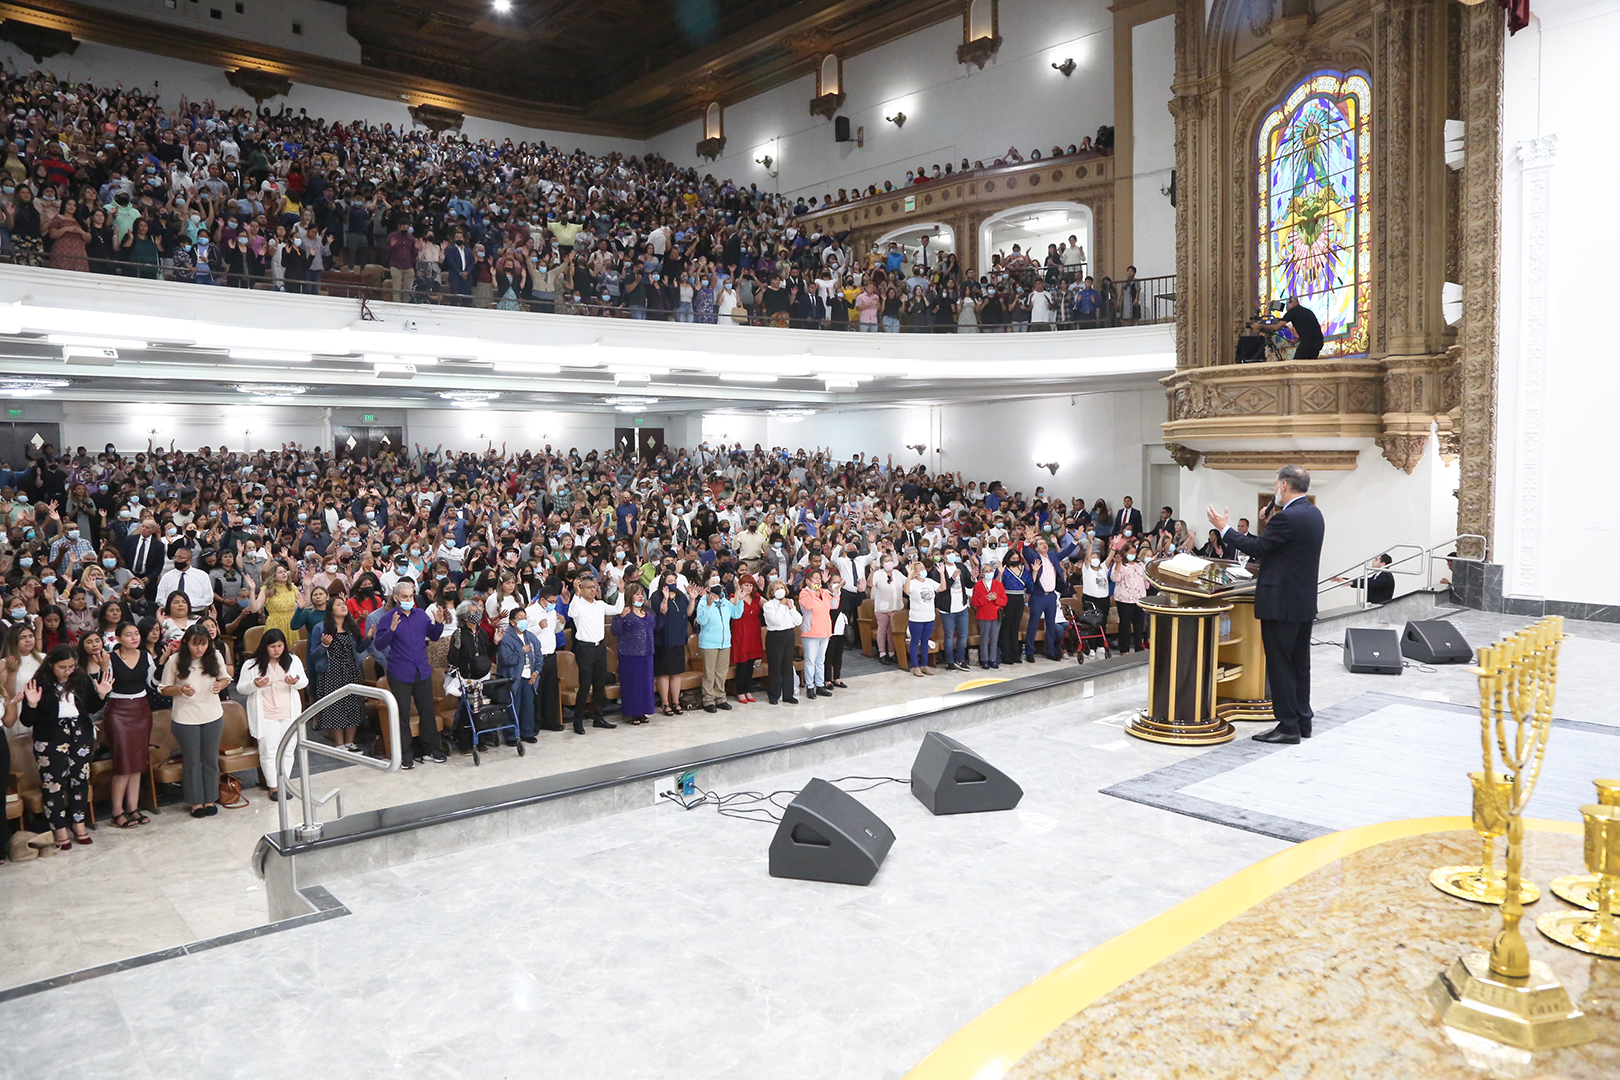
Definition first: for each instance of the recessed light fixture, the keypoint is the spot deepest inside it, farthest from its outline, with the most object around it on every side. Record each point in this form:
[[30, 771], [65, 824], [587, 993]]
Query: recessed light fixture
[[502, 7], [269, 389], [81, 341], [747, 377], [520, 368], [469, 399], [630, 402], [272, 356]]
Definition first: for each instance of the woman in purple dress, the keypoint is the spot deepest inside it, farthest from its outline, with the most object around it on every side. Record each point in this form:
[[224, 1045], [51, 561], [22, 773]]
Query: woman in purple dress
[[703, 301], [634, 631]]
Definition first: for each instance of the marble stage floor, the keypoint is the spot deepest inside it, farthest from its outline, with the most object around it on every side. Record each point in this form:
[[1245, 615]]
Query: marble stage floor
[[180, 880], [653, 944]]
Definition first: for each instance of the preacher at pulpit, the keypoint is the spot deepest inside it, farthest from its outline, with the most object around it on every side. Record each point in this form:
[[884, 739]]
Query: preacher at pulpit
[[1289, 549]]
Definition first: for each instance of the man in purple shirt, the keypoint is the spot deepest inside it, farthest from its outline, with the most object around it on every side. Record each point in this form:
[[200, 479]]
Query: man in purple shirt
[[404, 633], [400, 251]]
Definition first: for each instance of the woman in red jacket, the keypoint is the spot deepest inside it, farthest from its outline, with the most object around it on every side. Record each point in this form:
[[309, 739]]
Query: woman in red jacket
[[989, 597], [748, 639]]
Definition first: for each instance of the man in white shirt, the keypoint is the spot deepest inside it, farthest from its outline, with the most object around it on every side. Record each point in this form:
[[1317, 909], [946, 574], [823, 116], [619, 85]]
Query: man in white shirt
[[589, 614], [852, 568], [546, 624], [1041, 312], [196, 586]]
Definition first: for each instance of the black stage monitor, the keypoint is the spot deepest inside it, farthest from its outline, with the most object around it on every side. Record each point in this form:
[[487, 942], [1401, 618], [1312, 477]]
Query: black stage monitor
[[948, 778], [1373, 652], [1435, 641], [828, 835]]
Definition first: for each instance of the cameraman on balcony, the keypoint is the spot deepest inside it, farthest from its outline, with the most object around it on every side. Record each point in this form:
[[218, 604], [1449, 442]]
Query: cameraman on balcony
[[1306, 327]]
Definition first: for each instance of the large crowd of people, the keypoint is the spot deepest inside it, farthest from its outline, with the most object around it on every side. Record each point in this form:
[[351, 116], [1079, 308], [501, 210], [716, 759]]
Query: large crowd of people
[[170, 580], [109, 180]]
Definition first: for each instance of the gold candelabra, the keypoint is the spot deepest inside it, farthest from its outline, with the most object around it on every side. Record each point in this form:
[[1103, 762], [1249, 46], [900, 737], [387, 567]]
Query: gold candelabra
[[1505, 995], [1582, 889], [1597, 931], [1485, 884]]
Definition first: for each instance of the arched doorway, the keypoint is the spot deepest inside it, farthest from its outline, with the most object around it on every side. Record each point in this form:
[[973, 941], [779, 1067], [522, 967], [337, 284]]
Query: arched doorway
[[941, 237], [1035, 225]]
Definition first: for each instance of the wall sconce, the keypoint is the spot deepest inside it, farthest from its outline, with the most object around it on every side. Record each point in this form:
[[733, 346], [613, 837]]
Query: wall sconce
[[1067, 67], [768, 162], [1049, 466], [898, 119], [919, 447]]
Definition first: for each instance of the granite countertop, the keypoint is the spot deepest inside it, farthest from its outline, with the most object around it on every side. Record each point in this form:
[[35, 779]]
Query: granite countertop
[[1327, 979]]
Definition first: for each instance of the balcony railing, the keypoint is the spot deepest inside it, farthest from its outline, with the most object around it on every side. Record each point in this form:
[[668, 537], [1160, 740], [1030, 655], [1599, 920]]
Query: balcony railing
[[1132, 302]]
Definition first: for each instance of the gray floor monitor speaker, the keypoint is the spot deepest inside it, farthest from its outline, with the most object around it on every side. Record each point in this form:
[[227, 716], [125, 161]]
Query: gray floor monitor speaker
[[1435, 641], [1373, 652], [948, 778], [827, 835]]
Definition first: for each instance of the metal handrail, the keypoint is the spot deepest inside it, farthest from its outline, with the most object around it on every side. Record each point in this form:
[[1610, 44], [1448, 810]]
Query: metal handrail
[[1397, 566], [311, 828]]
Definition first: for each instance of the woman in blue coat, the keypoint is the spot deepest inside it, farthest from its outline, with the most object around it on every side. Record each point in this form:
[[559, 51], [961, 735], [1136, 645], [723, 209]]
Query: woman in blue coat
[[518, 658]]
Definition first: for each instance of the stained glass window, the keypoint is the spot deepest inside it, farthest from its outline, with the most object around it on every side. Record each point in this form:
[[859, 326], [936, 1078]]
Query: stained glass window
[[1314, 178]]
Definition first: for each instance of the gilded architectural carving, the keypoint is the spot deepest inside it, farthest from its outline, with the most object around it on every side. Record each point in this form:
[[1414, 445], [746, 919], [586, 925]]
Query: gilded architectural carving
[[1185, 456], [1417, 376], [1403, 451]]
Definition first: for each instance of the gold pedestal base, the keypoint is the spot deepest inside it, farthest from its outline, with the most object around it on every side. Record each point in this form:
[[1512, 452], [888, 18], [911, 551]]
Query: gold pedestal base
[[1590, 933], [1578, 889], [1534, 1013], [1156, 730], [1470, 883], [1246, 712]]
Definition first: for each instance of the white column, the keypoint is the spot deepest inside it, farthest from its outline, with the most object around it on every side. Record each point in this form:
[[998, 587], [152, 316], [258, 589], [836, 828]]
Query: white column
[[1536, 159]]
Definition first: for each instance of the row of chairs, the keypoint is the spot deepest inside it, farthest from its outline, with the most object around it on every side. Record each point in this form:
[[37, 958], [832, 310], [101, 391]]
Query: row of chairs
[[238, 752]]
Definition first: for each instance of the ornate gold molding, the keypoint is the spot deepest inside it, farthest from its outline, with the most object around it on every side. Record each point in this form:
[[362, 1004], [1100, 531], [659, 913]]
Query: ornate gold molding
[[1272, 460], [1479, 75], [964, 200], [1185, 456], [259, 85], [1403, 451], [1337, 399], [827, 104]]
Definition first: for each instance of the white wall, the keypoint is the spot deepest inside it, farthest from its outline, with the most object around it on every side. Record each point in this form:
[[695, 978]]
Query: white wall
[[952, 110], [1153, 68], [105, 65], [1101, 442], [1557, 377], [270, 22], [1368, 510]]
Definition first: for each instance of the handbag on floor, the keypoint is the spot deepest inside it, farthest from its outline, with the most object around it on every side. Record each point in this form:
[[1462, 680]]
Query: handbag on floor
[[230, 792]]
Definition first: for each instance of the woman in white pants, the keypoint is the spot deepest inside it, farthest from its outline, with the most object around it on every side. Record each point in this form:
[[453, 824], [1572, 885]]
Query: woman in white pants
[[270, 681]]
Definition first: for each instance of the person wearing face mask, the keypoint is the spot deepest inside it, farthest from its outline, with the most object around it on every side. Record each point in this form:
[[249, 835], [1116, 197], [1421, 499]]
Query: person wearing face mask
[[747, 640], [1290, 553], [956, 582], [1015, 581], [989, 599], [403, 633], [518, 658], [887, 585], [1127, 572], [636, 632], [713, 614], [1096, 588], [546, 625], [670, 607], [781, 619], [187, 579]]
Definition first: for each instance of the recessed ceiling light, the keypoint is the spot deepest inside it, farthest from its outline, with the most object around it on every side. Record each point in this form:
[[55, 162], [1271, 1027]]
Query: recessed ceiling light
[[746, 377], [272, 356], [80, 341], [269, 389], [631, 402], [502, 7]]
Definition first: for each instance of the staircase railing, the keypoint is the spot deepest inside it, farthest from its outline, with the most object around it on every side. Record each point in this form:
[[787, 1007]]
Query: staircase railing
[[311, 828], [1418, 561]]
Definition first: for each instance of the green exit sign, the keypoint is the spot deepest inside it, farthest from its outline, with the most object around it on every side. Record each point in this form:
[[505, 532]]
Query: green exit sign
[[368, 418], [911, 203], [13, 412], [640, 421]]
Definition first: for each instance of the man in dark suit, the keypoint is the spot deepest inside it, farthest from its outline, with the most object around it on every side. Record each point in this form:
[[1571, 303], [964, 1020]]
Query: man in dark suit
[[144, 554], [1129, 517], [458, 268], [1290, 554]]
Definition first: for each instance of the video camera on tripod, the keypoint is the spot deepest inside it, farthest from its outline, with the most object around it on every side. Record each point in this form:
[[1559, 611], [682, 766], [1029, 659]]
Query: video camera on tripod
[[1254, 346]]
